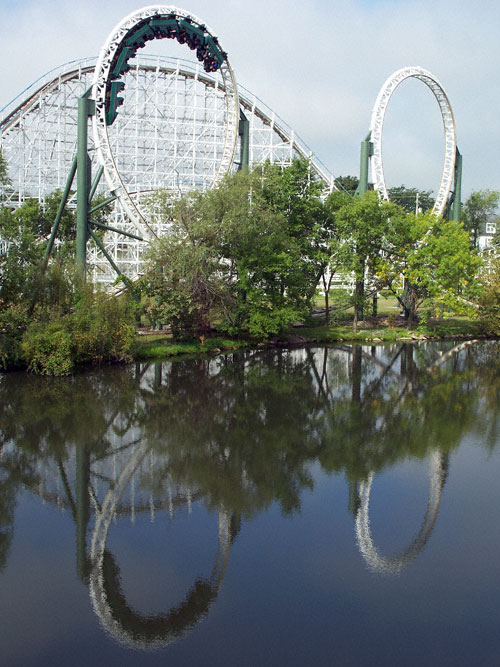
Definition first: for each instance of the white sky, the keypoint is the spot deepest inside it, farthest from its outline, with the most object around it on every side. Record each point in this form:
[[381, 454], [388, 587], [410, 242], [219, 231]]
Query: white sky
[[319, 64]]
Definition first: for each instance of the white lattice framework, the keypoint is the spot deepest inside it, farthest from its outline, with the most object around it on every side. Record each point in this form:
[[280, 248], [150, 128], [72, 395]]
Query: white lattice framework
[[377, 123], [168, 134]]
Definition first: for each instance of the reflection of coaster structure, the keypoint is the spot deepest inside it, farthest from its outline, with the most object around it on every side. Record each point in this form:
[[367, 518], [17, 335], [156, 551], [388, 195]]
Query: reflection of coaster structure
[[125, 624], [130, 35], [394, 564]]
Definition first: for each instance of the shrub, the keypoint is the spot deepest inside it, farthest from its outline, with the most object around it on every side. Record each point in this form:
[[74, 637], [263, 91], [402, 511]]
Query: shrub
[[102, 329], [13, 323], [47, 348], [489, 301]]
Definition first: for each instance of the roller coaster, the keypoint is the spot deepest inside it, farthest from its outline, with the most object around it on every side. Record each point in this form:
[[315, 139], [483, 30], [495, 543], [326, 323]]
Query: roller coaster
[[164, 123]]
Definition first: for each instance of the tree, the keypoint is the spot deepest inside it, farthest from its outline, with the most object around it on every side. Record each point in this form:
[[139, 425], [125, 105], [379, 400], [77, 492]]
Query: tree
[[347, 184], [185, 279], [477, 210], [18, 267], [4, 176], [489, 301], [411, 199], [361, 224], [243, 253], [434, 257], [296, 194]]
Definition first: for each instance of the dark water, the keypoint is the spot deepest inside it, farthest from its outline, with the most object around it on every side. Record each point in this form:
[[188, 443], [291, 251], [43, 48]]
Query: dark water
[[331, 506]]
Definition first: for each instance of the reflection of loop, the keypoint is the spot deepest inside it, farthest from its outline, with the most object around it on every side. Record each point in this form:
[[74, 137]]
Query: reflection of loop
[[394, 564], [377, 122], [115, 48], [116, 616]]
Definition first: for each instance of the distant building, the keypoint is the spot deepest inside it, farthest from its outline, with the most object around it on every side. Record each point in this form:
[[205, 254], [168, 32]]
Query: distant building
[[487, 232]]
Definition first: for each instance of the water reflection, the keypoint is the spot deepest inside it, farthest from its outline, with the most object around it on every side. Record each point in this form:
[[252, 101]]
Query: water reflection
[[438, 470], [236, 433]]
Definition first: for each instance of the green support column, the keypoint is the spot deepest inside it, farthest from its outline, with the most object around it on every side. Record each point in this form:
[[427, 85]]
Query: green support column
[[456, 207], [244, 132], [364, 165], [83, 176]]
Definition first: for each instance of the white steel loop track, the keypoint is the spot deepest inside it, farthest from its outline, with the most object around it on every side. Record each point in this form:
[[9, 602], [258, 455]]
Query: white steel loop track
[[377, 123], [114, 46]]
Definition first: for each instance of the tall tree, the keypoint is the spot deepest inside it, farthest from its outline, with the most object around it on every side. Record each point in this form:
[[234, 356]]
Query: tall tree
[[435, 258], [4, 176], [347, 184], [361, 224], [411, 199], [253, 239], [478, 208]]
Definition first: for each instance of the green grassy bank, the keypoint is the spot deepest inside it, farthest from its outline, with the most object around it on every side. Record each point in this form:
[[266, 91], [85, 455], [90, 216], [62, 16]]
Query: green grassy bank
[[374, 330]]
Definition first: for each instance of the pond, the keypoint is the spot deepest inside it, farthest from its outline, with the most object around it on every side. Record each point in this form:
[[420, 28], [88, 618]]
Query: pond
[[319, 506]]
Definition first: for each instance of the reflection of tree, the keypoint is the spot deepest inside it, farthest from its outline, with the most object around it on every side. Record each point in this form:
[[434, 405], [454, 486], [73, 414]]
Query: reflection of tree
[[15, 471], [242, 430], [389, 416]]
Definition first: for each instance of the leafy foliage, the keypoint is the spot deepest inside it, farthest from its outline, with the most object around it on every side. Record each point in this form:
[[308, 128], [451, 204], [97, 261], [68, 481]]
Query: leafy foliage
[[4, 175], [245, 255], [435, 259], [361, 224], [478, 208], [489, 301], [100, 329], [411, 199]]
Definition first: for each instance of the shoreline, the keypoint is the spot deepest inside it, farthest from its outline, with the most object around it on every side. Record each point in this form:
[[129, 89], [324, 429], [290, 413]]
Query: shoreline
[[156, 345]]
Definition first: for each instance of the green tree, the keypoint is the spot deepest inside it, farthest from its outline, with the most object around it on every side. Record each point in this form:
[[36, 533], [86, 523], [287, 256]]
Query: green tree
[[489, 301], [185, 278], [478, 208], [435, 259], [361, 224], [411, 199], [18, 267], [347, 184], [4, 175], [242, 254]]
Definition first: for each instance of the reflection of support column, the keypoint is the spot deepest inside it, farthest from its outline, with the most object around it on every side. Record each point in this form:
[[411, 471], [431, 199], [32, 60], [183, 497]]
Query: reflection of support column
[[438, 470], [356, 373], [158, 374], [82, 508], [354, 499]]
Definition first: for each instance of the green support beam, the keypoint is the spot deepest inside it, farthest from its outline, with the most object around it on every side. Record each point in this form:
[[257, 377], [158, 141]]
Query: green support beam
[[456, 207], [60, 211], [364, 166], [86, 108], [244, 132]]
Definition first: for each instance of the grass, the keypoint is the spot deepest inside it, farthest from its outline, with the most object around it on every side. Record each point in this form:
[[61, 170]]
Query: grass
[[155, 346], [383, 329]]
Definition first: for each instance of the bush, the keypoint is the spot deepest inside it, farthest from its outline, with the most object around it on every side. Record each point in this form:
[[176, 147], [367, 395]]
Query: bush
[[47, 348], [13, 323], [102, 329], [489, 301]]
